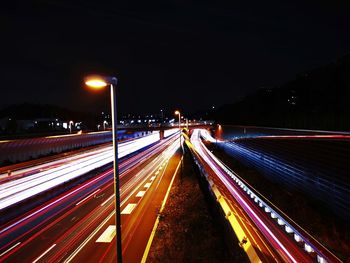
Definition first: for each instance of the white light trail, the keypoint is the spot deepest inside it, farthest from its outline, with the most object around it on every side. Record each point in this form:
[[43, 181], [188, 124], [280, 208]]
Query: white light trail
[[64, 170], [195, 139]]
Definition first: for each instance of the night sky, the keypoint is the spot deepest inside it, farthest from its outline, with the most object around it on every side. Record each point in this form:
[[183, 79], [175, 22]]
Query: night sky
[[167, 54]]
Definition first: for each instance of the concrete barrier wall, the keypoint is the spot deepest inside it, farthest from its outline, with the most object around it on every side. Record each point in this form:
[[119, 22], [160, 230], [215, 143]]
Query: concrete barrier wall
[[26, 149]]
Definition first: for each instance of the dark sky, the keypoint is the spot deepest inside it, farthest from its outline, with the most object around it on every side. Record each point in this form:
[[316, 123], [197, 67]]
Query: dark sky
[[166, 54]]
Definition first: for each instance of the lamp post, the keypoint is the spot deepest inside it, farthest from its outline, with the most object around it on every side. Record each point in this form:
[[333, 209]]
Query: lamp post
[[218, 134], [70, 126], [178, 113], [104, 124], [99, 82], [161, 117], [182, 150]]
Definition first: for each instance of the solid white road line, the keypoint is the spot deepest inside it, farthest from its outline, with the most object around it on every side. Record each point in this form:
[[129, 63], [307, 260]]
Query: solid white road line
[[106, 201], [69, 259], [9, 249], [43, 254], [87, 197]]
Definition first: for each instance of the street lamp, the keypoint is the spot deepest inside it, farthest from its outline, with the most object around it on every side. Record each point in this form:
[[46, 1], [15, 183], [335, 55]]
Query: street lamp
[[182, 150], [70, 126], [100, 82], [178, 113], [104, 124], [161, 117]]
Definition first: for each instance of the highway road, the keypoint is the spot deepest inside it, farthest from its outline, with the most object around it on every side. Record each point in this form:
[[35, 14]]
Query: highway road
[[31, 181], [268, 237], [78, 223]]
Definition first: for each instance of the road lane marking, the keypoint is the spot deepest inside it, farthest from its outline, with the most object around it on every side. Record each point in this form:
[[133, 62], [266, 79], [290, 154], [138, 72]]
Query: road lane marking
[[152, 178], [43, 254], [9, 249], [127, 170], [128, 209], [77, 204], [53, 203], [132, 188], [106, 201], [108, 235], [157, 173], [89, 238], [147, 185], [150, 240], [141, 194], [87, 197]]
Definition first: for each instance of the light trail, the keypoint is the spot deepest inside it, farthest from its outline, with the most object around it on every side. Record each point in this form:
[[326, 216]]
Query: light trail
[[128, 191], [65, 170], [162, 151], [250, 205], [316, 136], [195, 140]]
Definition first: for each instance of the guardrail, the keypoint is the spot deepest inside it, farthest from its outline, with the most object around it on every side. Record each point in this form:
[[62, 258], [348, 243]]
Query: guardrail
[[300, 236], [290, 227], [224, 205]]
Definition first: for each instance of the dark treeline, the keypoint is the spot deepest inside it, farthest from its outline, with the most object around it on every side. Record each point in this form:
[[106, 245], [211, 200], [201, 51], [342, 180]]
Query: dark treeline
[[317, 99], [28, 117]]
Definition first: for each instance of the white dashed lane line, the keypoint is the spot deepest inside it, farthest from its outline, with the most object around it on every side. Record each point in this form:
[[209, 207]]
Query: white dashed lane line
[[128, 209], [141, 194], [108, 235]]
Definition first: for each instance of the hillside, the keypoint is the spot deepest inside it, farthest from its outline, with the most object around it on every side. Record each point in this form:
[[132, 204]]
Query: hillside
[[316, 99]]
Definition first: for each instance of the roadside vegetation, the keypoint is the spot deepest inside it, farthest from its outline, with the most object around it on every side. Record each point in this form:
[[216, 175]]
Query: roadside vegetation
[[189, 230]]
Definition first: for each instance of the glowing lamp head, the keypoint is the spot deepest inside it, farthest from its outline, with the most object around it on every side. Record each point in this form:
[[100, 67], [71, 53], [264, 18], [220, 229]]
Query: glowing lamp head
[[177, 112], [95, 82], [99, 81]]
